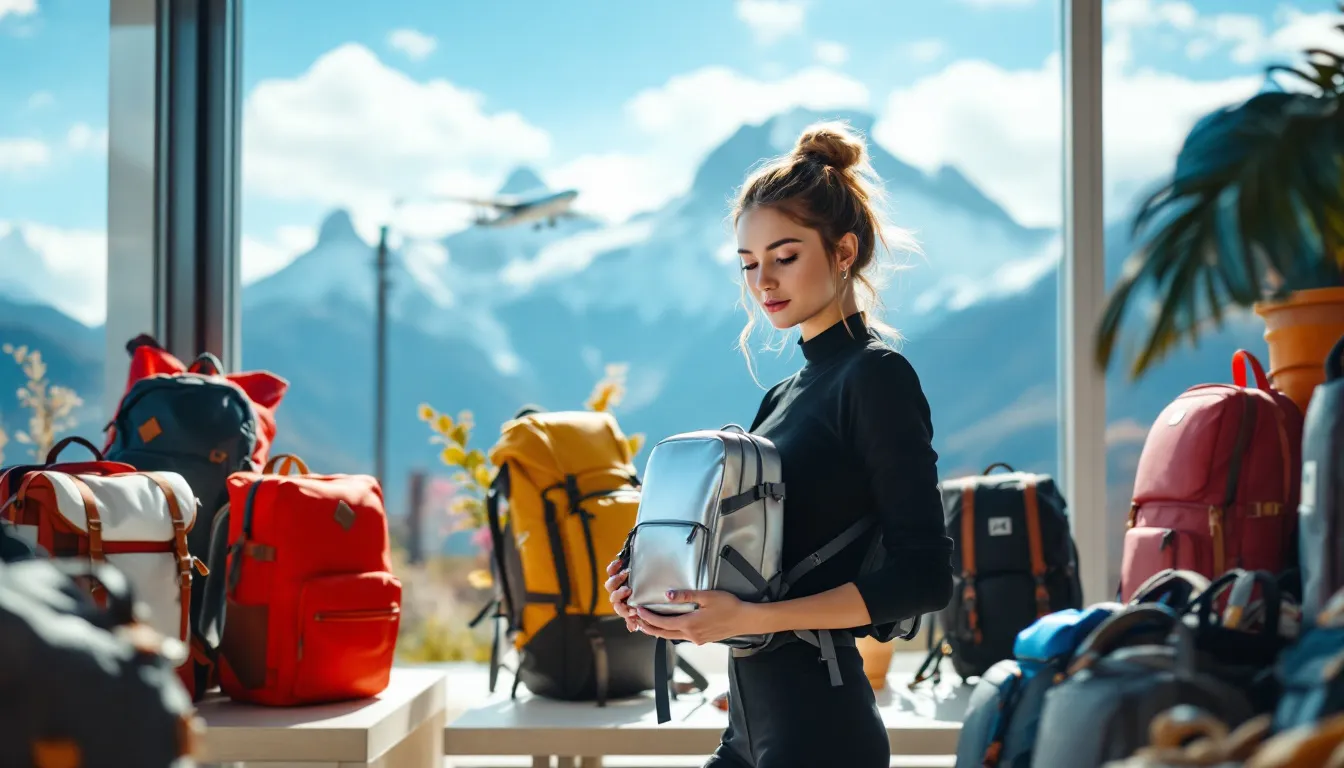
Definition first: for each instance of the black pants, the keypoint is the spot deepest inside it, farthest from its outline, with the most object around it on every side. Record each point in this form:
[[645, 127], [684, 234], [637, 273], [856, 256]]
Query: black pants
[[784, 712]]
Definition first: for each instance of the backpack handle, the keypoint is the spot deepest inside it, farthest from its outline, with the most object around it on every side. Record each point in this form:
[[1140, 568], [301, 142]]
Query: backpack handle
[[56, 449], [1334, 362], [1239, 360], [142, 340], [996, 465], [1108, 635], [1181, 586], [733, 428], [1178, 726], [285, 462], [1240, 586], [204, 360]]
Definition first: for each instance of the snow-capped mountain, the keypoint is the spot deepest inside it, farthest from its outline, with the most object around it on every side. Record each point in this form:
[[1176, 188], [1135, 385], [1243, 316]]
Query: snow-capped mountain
[[492, 319], [674, 263]]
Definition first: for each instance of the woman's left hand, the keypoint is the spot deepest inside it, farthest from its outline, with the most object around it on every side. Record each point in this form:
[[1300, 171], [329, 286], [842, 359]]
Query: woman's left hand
[[720, 615]]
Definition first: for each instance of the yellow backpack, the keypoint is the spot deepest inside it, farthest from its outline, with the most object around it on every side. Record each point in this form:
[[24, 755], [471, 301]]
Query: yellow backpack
[[563, 499]]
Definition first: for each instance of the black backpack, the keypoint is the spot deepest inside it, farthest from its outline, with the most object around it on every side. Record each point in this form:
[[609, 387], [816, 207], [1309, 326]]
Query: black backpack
[[86, 685], [205, 429], [1014, 562]]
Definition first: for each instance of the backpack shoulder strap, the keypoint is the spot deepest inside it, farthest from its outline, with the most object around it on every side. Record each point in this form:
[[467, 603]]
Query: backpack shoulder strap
[[1034, 544], [968, 559]]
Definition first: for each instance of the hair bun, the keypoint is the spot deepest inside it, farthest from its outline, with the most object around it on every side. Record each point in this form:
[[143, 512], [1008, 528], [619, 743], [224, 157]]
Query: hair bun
[[832, 144]]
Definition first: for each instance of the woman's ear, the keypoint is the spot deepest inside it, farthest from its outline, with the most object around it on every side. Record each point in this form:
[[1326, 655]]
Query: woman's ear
[[846, 250]]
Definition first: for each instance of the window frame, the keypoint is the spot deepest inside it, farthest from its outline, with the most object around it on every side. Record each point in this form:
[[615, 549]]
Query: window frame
[[173, 168], [173, 220]]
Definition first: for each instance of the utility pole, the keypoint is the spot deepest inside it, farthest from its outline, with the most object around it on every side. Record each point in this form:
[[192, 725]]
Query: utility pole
[[380, 364]]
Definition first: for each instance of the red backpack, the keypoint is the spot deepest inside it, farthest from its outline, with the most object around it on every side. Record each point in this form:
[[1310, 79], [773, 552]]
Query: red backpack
[[1217, 482], [312, 608]]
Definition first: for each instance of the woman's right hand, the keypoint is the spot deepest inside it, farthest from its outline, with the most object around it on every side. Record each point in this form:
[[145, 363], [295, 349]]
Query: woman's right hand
[[619, 593]]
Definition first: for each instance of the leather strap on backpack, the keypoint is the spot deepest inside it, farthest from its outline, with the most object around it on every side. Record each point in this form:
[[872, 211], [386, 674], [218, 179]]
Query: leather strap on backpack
[[1034, 544], [184, 559], [968, 560]]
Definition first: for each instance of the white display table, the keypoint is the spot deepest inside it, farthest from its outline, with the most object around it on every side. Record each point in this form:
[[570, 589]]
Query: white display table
[[401, 727], [925, 722]]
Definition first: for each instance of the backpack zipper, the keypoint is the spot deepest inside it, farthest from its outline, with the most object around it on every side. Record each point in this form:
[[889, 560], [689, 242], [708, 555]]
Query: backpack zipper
[[365, 614]]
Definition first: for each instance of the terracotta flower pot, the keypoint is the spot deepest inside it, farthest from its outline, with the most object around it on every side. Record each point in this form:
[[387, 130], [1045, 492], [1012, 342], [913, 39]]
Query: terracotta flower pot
[[1300, 332], [876, 660]]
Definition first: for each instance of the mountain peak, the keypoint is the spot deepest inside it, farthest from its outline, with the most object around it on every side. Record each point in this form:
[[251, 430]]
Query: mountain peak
[[523, 181], [785, 128], [336, 227]]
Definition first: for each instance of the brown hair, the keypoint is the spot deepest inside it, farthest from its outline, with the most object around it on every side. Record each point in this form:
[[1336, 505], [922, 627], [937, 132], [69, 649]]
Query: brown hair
[[827, 184]]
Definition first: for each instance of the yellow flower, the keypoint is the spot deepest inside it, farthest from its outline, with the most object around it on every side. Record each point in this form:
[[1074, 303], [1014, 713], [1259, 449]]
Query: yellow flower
[[460, 434], [453, 455], [482, 476], [464, 417], [444, 423], [473, 459], [480, 579]]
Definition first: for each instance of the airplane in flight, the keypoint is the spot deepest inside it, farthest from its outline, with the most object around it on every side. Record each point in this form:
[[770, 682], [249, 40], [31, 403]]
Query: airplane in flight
[[511, 211]]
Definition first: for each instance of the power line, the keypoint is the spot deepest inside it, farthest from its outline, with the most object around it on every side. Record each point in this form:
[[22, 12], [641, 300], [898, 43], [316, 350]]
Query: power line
[[382, 284]]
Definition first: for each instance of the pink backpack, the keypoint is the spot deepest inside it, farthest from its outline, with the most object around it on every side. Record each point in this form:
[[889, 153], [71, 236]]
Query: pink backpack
[[1217, 482]]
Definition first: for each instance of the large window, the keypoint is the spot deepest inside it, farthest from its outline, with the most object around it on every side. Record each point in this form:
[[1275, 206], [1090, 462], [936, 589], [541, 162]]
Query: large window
[[653, 114], [1167, 64], [53, 215]]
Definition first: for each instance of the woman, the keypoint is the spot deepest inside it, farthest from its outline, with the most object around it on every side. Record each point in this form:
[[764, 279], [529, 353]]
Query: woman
[[854, 435]]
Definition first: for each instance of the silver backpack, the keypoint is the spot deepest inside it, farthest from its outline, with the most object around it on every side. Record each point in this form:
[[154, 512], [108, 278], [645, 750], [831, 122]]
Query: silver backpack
[[711, 517], [710, 499]]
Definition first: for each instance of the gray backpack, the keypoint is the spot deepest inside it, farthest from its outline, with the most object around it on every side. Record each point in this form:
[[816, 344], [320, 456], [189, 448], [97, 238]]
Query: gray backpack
[[1136, 665], [1320, 528], [711, 517], [88, 686]]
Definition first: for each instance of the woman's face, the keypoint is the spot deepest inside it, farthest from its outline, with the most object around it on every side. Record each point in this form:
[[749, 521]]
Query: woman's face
[[785, 266]]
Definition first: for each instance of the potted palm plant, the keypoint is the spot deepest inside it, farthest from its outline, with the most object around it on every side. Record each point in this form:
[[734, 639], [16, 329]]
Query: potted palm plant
[[1252, 217]]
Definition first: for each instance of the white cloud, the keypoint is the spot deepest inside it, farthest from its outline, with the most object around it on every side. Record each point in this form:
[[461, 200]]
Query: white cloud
[[926, 51], [76, 260], [40, 99], [772, 20], [82, 137], [415, 44], [1131, 14], [22, 154], [681, 120], [1243, 36], [17, 8], [1003, 127], [998, 3], [830, 53], [574, 253], [356, 133], [261, 258]]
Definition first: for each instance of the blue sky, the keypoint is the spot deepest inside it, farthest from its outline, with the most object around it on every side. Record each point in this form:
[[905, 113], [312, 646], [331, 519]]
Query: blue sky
[[351, 104]]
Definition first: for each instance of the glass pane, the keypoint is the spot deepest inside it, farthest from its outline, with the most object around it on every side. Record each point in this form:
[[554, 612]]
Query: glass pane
[[53, 221], [653, 116], [1167, 65]]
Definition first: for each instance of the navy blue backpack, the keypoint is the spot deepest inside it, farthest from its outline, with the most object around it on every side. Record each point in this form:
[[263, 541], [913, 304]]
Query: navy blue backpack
[[1005, 707]]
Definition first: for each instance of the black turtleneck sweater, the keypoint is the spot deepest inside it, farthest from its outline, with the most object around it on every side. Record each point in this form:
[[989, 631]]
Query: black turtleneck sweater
[[855, 438]]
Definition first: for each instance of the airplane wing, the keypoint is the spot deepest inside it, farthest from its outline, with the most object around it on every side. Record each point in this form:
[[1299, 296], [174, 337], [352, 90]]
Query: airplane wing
[[498, 203]]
